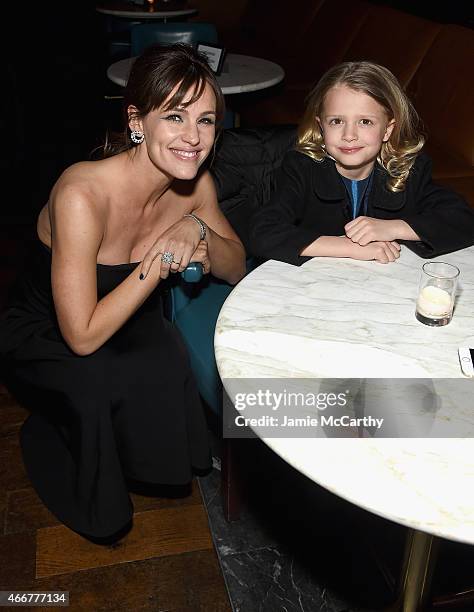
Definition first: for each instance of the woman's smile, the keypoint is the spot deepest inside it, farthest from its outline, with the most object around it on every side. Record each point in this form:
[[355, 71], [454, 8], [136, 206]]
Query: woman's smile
[[185, 154]]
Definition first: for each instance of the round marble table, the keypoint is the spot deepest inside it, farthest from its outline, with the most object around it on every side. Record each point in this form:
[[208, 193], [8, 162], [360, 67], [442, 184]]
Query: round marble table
[[156, 10], [240, 73], [341, 318]]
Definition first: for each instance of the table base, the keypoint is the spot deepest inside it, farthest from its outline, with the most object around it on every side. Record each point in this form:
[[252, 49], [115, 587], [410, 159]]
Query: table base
[[421, 551]]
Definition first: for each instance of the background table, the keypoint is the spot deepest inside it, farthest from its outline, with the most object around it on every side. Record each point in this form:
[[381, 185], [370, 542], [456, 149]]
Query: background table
[[275, 324], [240, 73]]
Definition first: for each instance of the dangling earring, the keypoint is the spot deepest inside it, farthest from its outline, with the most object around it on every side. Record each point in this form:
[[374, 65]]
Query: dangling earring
[[137, 137], [323, 146]]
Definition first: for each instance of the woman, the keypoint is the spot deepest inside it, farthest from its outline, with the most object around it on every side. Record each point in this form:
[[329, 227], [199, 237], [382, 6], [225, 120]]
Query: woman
[[113, 396]]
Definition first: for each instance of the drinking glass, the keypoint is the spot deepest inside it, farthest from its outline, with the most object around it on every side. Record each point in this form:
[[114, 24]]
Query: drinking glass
[[436, 294]]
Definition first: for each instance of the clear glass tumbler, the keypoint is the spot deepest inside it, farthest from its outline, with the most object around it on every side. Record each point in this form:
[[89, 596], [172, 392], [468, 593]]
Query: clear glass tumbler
[[436, 294]]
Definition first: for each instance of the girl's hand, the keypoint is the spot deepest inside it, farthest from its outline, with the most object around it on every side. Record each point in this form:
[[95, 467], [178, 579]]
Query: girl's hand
[[201, 255], [364, 230], [178, 242], [383, 252]]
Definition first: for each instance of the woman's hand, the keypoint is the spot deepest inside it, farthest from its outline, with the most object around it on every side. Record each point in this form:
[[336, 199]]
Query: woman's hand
[[364, 230], [179, 242], [201, 255]]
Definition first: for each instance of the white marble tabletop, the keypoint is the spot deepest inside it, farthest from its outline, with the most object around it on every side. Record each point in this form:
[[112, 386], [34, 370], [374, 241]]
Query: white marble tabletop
[[341, 318], [154, 10], [240, 73]]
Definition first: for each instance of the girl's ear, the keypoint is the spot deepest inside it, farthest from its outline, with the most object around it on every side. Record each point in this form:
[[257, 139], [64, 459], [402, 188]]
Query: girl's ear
[[389, 130], [134, 123]]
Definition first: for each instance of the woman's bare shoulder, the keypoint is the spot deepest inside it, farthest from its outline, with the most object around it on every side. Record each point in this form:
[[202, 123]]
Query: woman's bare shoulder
[[84, 184], [82, 190], [82, 197], [85, 176]]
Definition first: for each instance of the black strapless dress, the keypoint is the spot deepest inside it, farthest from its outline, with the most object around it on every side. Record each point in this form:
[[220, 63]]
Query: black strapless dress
[[131, 410]]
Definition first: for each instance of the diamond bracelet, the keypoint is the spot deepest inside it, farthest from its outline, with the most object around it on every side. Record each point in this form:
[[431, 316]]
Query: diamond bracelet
[[202, 225]]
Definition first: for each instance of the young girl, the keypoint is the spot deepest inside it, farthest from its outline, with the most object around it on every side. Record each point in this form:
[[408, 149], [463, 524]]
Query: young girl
[[357, 183]]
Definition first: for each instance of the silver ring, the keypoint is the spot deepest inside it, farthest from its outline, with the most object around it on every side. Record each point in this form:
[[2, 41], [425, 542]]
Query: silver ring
[[167, 257]]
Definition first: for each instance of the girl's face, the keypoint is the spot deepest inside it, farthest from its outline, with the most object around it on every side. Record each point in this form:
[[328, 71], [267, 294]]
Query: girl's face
[[354, 126], [179, 140]]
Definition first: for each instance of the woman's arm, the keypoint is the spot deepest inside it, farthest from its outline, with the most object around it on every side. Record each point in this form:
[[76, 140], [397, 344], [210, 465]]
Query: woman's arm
[[77, 231], [224, 250]]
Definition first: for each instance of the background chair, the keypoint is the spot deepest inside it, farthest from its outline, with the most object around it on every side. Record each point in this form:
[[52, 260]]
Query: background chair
[[145, 34], [118, 37]]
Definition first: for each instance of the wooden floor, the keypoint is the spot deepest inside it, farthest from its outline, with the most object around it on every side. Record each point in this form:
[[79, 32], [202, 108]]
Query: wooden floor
[[167, 562]]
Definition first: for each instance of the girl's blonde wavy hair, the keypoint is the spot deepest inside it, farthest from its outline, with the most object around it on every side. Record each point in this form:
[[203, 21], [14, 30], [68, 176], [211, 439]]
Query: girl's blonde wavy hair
[[398, 154]]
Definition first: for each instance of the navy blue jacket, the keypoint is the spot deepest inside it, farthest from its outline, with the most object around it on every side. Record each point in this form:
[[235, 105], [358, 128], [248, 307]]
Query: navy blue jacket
[[309, 200]]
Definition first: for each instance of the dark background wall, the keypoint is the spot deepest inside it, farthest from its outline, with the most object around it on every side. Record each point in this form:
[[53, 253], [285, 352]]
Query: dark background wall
[[51, 101], [457, 11], [53, 111]]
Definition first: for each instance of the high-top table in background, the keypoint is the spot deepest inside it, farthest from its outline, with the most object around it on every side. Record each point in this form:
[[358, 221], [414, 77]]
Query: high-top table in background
[[347, 319], [240, 73]]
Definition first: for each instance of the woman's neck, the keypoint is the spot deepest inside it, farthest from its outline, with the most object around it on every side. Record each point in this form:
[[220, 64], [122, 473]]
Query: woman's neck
[[148, 182]]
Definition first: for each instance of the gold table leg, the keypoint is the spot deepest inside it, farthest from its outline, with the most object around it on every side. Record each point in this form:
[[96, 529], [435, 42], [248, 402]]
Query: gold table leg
[[418, 566]]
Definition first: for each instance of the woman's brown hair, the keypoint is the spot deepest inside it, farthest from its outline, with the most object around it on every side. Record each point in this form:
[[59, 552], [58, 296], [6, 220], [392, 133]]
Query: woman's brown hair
[[156, 74]]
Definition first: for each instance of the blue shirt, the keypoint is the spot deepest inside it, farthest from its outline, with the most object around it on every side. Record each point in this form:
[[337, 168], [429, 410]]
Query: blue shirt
[[359, 193]]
